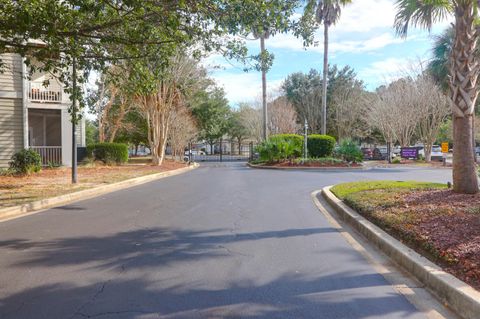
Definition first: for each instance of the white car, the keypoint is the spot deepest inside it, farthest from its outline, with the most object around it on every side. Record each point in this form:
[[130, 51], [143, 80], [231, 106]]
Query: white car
[[194, 152], [437, 154]]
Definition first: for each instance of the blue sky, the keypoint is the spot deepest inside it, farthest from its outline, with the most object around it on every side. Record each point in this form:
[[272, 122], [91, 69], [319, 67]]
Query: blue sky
[[363, 38]]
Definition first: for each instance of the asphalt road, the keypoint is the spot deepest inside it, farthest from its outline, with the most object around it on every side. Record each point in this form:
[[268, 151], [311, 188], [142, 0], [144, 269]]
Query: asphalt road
[[222, 241]]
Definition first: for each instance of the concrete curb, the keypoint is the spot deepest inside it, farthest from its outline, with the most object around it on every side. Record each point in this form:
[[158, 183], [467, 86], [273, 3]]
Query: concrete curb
[[307, 168], [454, 293], [13, 212]]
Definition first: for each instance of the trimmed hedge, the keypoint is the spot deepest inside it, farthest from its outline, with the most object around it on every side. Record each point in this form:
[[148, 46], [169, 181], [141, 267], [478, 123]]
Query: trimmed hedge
[[26, 161], [294, 139], [108, 152], [320, 145]]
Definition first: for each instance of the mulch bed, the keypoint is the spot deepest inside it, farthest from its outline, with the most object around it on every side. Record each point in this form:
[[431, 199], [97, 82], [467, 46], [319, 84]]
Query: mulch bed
[[438, 223], [451, 223], [16, 190]]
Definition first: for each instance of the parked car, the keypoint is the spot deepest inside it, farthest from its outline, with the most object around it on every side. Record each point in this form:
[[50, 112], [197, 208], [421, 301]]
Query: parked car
[[367, 153], [437, 154], [381, 153], [378, 154], [477, 150], [194, 152]]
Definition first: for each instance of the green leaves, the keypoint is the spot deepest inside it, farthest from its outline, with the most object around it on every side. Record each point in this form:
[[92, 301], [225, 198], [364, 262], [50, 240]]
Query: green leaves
[[420, 14]]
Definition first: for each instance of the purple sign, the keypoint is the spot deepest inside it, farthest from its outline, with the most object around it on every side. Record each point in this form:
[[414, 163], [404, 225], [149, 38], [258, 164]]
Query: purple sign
[[409, 152]]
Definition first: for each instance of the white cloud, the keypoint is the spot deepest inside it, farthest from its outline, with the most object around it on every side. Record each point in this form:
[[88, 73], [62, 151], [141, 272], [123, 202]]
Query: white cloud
[[373, 43], [216, 61], [365, 16], [385, 71], [244, 87]]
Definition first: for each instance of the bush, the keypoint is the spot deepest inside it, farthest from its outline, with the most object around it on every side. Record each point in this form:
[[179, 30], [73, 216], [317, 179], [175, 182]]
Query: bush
[[26, 161], [295, 140], [396, 160], [276, 150], [320, 145], [349, 151], [108, 152]]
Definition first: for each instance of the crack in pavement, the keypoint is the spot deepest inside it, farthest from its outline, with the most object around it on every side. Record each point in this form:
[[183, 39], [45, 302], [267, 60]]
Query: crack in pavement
[[233, 252]]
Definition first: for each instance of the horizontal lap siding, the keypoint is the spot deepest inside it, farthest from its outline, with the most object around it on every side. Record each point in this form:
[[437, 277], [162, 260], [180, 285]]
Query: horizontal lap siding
[[11, 109], [11, 78]]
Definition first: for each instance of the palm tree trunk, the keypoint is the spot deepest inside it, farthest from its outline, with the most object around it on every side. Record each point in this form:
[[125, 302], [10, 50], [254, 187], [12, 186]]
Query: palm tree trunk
[[325, 78], [463, 93], [264, 89]]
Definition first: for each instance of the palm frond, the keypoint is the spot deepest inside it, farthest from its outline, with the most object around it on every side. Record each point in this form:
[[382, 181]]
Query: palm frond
[[329, 11], [420, 13]]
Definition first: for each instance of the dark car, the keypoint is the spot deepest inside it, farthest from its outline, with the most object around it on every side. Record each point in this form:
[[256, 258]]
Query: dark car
[[379, 155], [367, 153]]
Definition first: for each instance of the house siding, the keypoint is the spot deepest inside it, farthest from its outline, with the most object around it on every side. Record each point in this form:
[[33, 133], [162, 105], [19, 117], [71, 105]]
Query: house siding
[[11, 129], [11, 78], [11, 108]]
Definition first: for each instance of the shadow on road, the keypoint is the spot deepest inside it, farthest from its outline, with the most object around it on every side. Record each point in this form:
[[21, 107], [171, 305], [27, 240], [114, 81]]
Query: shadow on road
[[341, 295]]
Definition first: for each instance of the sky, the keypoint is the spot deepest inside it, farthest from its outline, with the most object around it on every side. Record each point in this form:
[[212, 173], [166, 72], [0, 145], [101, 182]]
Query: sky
[[363, 38]]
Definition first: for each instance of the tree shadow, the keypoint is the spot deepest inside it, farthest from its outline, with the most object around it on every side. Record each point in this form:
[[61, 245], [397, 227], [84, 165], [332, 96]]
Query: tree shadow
[[153, 247], [289, 296], [128, 294]]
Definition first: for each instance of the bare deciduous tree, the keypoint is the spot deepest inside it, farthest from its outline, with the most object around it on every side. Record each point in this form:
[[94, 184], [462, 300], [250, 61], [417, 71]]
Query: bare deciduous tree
[[433, 109], [351, 116], [178, 80], [253, 121], [182, 131], [282, 117]]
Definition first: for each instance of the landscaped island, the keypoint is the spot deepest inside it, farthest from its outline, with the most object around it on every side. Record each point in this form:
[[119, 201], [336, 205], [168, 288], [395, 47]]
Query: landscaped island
[[441, 225], [288, 150]]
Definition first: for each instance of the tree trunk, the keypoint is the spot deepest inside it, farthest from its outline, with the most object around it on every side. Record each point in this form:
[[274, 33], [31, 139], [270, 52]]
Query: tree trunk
[[264, 90], [428, 152], [463, 93], [325, 78]]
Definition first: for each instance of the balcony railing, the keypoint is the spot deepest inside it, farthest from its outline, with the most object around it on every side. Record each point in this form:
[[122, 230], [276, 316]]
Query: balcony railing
[[39, 93], [51, 155]]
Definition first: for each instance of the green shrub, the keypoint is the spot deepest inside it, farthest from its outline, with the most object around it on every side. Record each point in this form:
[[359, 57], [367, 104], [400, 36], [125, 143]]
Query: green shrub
[[349, 151], [295, 140], [26, 161], [396, 160], [320, 160], [276, 150], [320, 145], [108, 152]]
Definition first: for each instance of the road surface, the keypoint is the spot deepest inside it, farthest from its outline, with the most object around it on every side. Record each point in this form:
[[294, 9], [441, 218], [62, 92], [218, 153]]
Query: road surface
[[222, 241]]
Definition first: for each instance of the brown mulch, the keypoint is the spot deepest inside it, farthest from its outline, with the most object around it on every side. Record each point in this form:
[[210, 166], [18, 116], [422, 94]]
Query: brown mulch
[[16, 190], [450, 222]]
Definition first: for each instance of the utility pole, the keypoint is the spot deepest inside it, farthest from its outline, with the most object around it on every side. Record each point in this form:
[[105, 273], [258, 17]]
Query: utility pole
[[74, 120]]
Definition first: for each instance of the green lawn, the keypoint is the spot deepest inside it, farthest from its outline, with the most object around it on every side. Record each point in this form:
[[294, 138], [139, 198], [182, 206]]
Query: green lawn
[[345, 189]]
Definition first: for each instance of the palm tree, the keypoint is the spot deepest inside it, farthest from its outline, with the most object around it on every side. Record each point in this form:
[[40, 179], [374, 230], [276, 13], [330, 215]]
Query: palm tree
[[262, 35], [438, 65], [327, 12], [463, 72]]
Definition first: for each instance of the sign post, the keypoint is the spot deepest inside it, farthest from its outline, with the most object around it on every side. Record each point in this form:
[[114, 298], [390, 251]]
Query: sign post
[[444, 152]]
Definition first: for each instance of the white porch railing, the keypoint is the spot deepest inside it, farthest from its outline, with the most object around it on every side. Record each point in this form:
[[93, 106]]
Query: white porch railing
[[37, 92], [51, 155]]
